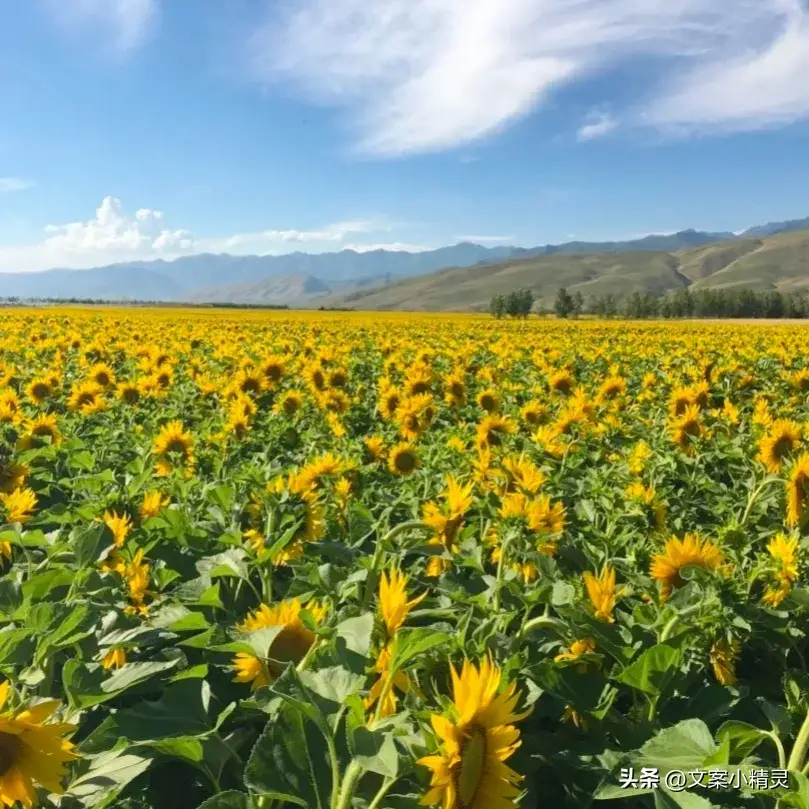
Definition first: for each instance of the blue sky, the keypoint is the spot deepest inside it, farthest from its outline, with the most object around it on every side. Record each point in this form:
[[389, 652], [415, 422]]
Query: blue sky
[[139, 129]]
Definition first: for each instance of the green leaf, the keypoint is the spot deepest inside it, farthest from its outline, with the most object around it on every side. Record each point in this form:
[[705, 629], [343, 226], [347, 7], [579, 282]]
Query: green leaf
[[335, 684], [411, 643], [16, 646], [230, 563], [107, 775], [290, 761], [181, 712], [134, 673], [653, 670], [87, 544], [187, 748], [227, 800], [375, 751], [356, 632], [10, 595], [684, 746], [87, 686], [680, 800], [743, 738]]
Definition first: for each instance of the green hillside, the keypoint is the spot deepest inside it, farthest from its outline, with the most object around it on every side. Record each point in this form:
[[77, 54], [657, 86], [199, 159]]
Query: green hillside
[[775, 262]]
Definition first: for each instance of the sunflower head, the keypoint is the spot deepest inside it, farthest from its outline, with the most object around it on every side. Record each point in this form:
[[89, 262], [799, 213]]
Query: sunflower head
[[32, 750], [403, 459], [690, 551], [469, 770]]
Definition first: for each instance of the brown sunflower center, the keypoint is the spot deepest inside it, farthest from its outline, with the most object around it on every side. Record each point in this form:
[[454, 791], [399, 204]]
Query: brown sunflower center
[[782, 447], [473, 764], [405, 461], [488, 402], [10, 748], [40, 390]]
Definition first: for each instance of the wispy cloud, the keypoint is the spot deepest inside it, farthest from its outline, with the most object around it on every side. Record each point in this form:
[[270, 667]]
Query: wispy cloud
[[427, 75], [9, 184], [122, 24], [598, 125], [486, 239], [114, 235]]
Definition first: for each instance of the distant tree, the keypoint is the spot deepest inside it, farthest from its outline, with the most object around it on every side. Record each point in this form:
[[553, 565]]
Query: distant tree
[[578, 303], [518, 303], [564, 305], [497, 306]]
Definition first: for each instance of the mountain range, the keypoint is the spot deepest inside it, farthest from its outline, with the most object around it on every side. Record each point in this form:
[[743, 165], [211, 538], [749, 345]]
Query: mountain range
[[398, 279]]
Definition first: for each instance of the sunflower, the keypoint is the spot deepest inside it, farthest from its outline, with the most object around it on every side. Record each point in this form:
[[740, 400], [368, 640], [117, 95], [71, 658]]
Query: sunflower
[[488, 400], [386, 684], [119, 525], [686, 427], [561, 382], [12, 476], [375, 446], [295, 639], [522, 475], [690, 551], [723, 655], [19, 504], [39, 428], [128, 392], [783, 551], [152, 504], [272, 369], [389, 400], [446, 520], [102, 375], [173, 442], [86, 397], [136, 574], [251, 669], [455, 389], [602, 593], [797, 490], [39, 390], [534, 414], [289, 404], [393, 603], [403, 459], [782, 439], [469, 770], [31, 751], [115, 658], [578, 649], [492, 430]]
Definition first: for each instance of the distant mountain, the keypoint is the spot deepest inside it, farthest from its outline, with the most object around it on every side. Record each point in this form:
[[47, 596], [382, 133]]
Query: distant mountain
[[286, 289], [302, 278], [773, 262], [771, 228]]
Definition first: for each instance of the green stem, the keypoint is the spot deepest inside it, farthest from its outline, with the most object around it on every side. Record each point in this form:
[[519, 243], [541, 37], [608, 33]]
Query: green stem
[[500, 565], [782, 756], [796, 757], [669, 628], [542, 622], [754, 495], [383, 790], [307, 657], [373, 571], [346, 793]]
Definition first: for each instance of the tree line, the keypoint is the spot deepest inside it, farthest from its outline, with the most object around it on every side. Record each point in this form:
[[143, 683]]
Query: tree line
[[681, 303]]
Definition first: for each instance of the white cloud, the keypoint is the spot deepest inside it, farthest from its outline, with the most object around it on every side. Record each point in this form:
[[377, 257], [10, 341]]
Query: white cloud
[[599, 125], [426, 75], [486, 239], [113, 235], [123, 24], [9, 184], [403, 247]]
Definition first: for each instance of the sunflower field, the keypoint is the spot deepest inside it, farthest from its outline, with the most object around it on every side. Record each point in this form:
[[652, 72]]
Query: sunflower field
[[260, 560]]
